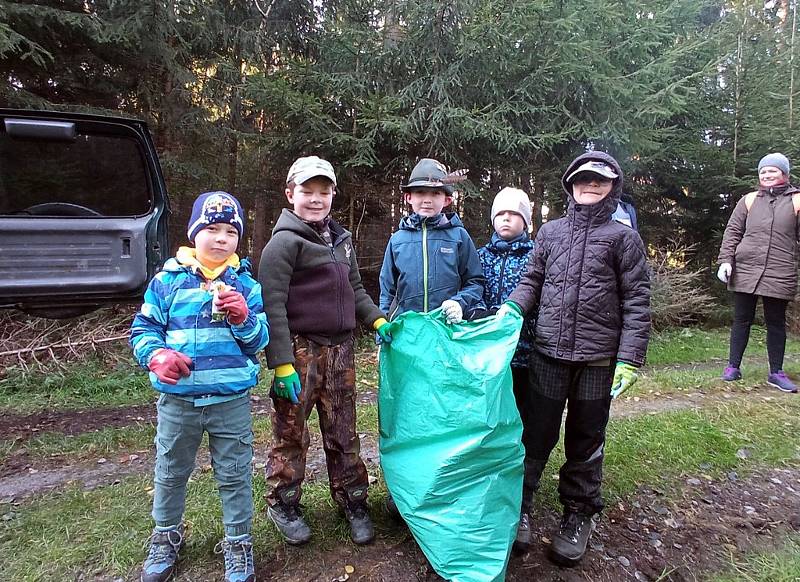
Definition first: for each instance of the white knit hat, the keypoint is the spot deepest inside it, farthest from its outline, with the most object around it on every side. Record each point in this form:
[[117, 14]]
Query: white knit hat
[[513, 200]]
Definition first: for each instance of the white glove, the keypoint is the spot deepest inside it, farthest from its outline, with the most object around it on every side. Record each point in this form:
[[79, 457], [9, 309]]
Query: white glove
[[724, 272], [452, 311]]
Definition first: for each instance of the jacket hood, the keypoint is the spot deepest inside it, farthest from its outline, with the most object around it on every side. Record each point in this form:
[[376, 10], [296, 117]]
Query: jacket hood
[[783, 190], [611, 201], [289, 221], [443, 220]]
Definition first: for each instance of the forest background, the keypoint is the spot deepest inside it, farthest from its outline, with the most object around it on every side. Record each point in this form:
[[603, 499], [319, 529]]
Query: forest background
[[686, 94]]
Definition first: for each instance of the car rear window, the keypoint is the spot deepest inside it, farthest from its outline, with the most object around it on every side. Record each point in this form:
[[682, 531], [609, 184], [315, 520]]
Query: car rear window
[[94, 174]]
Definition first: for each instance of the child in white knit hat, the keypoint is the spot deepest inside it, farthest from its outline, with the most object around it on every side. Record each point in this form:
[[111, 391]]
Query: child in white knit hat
[[504, 259]]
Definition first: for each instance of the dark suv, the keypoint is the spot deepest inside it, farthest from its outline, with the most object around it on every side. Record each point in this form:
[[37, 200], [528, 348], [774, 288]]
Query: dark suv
[[83, 211]]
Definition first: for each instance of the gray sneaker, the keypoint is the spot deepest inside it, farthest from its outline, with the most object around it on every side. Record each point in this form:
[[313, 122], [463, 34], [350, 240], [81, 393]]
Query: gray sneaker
[[361, 528], [290, 523], [523, 540], [238, 553], [569, 545], [159, 565], [781, 381]]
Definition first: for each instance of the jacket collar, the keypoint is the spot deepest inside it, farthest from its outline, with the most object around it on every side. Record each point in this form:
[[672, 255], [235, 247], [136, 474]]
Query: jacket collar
[[442, 220], [229, 272], [783, 190], [289, 221], [521, 243], [187, 257]]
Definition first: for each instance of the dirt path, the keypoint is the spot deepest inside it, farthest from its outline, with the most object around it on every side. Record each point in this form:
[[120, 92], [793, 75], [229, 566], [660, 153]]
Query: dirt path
[[71, 422], [649, 537], [20, 426], [23, 476], [640, 405]]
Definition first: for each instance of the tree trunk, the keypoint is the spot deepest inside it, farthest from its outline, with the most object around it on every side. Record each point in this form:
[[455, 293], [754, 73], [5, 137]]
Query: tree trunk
[[791, 63], [260, 225]]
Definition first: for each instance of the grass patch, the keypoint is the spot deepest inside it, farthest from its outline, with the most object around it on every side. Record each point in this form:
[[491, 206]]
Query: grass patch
[[657, 450], [367, 369], [782, 565], [687, 345], [694, 345], [101, 532], [110, 441], [660, 381], [89, 384], [6, 449], [666, 381], [93, 444], [92, 384]]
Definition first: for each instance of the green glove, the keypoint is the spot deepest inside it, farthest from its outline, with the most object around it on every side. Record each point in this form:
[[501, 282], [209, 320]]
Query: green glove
[[287, 383], [381, 327], [625, 376], [508, 307], [383, 332]]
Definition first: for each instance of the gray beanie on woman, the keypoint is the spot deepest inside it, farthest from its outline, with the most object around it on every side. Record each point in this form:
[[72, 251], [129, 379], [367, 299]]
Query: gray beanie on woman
[[776, 160]]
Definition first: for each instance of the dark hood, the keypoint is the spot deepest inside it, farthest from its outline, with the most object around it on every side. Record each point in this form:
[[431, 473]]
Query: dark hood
[[609, 204]]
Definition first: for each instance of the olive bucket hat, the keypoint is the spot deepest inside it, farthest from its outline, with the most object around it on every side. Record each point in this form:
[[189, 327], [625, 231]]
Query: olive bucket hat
[[430, 173]]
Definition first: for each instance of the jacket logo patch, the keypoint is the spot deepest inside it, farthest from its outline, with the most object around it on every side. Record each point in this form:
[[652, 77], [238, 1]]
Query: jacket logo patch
[[347, 250], [446, 250]]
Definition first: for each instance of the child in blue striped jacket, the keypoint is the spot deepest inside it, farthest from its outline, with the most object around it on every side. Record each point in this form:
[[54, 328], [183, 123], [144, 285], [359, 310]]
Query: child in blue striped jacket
[[204, 366]]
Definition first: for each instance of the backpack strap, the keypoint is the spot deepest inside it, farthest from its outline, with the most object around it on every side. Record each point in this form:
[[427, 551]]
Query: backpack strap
[[751, 197]]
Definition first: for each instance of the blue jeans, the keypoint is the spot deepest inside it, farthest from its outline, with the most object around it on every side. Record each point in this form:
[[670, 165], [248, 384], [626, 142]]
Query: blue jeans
[[230, 438]]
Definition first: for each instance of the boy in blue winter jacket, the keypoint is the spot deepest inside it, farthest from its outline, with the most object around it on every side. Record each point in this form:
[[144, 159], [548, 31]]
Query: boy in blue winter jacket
[[430, 260], [504, 259], [199, 331]]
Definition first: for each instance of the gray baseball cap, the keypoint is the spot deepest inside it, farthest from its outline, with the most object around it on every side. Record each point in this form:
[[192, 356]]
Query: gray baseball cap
[[303, 169]]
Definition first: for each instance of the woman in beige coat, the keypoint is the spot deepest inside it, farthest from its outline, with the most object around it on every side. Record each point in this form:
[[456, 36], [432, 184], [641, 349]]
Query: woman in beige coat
[[758, 258]]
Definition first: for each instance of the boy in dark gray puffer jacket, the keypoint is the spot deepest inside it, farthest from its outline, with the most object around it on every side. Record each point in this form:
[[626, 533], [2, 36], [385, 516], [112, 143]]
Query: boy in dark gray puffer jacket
[[588, 285]]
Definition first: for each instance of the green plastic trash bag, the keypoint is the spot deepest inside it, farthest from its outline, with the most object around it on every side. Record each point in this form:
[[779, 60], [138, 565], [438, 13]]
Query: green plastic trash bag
[[450, 439]]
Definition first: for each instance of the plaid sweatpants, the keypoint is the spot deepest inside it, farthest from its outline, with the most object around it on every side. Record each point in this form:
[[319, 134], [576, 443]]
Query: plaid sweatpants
[[585, 388], [328, 380]]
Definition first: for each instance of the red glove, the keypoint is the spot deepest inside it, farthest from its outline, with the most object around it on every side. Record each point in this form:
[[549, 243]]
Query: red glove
[[234, 304], [170, 365]]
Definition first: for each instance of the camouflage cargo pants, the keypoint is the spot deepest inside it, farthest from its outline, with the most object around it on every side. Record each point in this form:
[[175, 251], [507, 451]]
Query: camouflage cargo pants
[[328, 378]]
